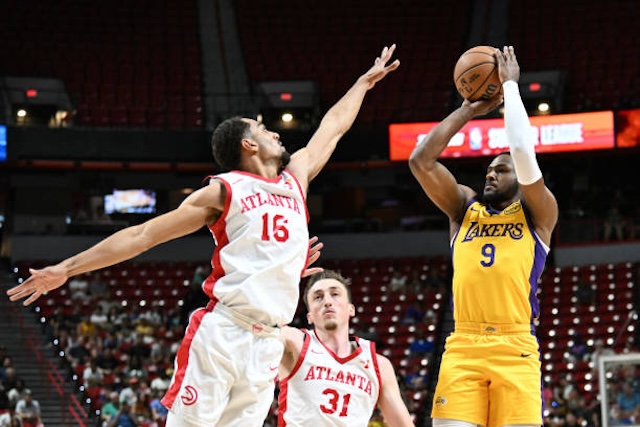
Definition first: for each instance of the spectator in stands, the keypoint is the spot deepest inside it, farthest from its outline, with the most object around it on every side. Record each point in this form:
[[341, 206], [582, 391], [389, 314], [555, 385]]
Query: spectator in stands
[[416, 282], [139, 348], [86, 329], [79, 289], [422, 346], [129, 394], [79, 353], [398, 282], [6, 408], [18, 391], [107, 361], [99, 318], [628, 403], [613, 224], [199, 275], [92, 376], [3, 360], [585, 294], [262, 209], [162, 381], [578, 350], [110, 407], [10, 378], [415, 313], [110, 340], [142, 408], [28, 411], [500, 240], [153, 315], [5, 363], [98, 288], [434, 281], [124, 417], [158, 411]]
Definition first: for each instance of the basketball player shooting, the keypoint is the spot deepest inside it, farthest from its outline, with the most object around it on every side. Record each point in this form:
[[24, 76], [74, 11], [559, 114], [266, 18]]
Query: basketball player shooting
[[490, 373], [256, 210]]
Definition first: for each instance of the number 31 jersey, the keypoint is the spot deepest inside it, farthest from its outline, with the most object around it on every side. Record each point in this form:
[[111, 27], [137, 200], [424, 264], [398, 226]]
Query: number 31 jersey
[[262, 243], [326, 390]]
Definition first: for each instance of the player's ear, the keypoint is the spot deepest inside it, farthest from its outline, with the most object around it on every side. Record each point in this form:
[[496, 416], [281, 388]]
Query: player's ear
[[352, 310], [249, 144], [309, 320]]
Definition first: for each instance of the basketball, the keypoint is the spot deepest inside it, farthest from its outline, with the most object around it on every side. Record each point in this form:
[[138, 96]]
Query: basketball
[[476, 74]]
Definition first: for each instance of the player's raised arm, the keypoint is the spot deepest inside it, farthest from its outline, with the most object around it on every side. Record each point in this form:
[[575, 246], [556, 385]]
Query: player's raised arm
[[436, 180], [538, 198], [200, 208], [307, 162]]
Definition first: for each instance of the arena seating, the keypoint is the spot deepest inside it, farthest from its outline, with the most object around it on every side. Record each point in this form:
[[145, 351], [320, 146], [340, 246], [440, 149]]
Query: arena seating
[[588, 41], [562, 317], [306, 41], [125, 64]]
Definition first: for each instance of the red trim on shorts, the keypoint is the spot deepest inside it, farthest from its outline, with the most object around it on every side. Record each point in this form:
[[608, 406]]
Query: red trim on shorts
[[182, 357]]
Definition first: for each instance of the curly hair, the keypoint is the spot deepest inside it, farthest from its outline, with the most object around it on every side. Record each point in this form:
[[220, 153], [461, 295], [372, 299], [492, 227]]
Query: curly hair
[[326, 274], [225, 142]]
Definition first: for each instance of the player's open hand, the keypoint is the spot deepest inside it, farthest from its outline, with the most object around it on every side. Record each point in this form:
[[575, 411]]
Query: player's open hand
[[314, 254], [40, 282], [380, 68], [508, 68]]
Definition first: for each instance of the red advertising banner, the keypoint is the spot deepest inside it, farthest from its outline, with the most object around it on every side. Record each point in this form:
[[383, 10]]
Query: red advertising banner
[[552, 134], [628, 128]]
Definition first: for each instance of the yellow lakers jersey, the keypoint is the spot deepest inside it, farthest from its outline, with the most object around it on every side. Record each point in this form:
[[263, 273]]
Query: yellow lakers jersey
[[497, 261]]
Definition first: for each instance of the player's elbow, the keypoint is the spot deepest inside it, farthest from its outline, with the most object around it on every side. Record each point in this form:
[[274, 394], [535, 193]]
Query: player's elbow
[[419, 163]]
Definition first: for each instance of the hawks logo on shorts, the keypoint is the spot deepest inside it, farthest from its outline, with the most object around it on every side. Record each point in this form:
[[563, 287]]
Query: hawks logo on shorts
[[189, 396]]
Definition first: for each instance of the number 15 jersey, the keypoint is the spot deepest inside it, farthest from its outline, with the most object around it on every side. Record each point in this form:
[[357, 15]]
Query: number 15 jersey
[[262, 243], [325, 390]]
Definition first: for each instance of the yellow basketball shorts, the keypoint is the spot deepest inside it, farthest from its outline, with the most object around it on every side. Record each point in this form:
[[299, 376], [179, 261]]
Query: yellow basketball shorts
[[490, 375]]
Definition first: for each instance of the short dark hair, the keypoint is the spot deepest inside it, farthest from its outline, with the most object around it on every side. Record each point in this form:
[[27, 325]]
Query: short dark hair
[[225, 142], [326, 274]]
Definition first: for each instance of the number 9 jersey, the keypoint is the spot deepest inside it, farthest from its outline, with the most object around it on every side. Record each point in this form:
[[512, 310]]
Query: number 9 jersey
[[262, 243], [497, 261]]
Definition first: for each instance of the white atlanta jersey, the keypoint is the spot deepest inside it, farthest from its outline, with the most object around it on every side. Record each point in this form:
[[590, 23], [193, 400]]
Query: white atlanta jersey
[[326, 390], [262, 244]]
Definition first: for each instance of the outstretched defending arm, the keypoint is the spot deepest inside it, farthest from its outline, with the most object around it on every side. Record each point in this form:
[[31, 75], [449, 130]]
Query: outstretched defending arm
[[436, 180], [307, 162], [200, 208], [539, 199]]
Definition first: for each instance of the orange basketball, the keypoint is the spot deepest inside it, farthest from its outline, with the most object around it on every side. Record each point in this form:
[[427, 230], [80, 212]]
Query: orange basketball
[[476, 74]]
